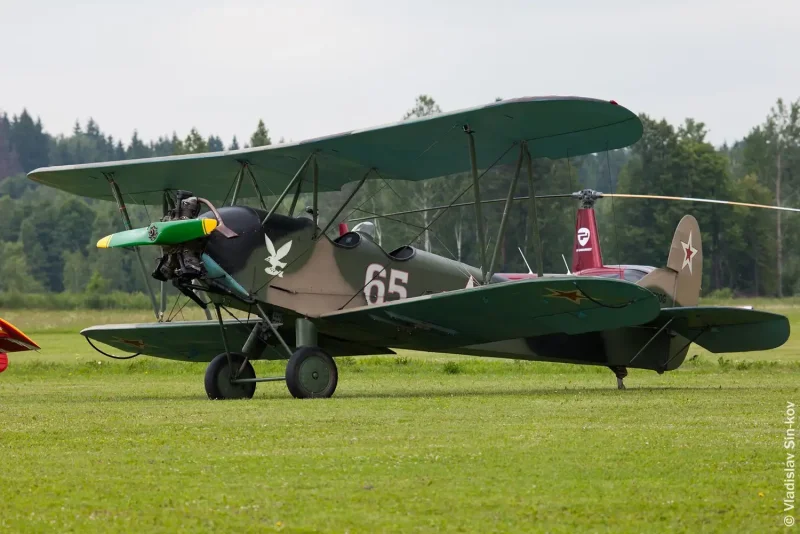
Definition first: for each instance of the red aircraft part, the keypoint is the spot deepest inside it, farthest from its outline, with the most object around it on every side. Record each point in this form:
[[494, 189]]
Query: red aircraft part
[[3, 361], [586, 246], [605, 271], [13, 340]]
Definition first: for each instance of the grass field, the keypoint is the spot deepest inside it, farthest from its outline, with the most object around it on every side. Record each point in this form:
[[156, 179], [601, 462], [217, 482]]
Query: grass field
[[409, 443]]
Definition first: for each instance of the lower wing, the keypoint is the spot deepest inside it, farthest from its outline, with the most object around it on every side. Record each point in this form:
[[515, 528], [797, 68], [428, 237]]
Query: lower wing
[[495, 312], [200, 341]]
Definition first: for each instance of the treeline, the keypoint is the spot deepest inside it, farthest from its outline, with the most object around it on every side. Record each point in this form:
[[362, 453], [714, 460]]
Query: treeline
[[24, 145], [47, 237]]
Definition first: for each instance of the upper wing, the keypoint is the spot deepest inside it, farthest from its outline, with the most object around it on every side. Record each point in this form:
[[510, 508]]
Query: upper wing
[[554, 127], [723, 329], [496, 312], [13, 340]]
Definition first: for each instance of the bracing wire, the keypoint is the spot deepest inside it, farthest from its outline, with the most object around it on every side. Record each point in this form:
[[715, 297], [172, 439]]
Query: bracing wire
[[265, 284], [435, 218]]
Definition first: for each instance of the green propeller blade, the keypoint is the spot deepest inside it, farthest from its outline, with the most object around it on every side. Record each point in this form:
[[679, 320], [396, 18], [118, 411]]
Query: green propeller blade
[[160, 233]]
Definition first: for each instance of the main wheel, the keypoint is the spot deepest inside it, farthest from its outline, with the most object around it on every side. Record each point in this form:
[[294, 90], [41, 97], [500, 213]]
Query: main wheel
[[218, 377], [311, 373]]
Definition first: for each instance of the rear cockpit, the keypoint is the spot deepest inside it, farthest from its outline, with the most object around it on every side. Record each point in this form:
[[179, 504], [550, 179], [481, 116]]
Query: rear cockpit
[[365, 232]]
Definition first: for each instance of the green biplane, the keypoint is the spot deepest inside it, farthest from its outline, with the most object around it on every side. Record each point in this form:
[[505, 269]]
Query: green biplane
[[313, 297]]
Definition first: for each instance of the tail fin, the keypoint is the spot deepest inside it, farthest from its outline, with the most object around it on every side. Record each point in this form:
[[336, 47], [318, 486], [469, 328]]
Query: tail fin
[[586, 247], [678, 284]]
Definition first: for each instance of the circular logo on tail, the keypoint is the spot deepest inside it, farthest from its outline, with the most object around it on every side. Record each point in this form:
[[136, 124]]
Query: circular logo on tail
[[583, 236]]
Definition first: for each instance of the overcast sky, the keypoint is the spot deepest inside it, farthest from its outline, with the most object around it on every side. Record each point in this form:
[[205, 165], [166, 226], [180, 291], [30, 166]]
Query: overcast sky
[[312, 68]]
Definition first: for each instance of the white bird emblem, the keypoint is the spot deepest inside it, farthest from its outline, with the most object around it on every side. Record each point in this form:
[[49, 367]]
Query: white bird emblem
[[276, 266]]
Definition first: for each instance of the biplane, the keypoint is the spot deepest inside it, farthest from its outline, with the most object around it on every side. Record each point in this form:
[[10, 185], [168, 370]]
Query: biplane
[[12, 339], [310, 297]]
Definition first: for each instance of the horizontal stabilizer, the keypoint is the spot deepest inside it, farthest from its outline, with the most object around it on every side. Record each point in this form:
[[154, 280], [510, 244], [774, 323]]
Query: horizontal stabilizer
[[727, 329], [160, 233], [496, 312]]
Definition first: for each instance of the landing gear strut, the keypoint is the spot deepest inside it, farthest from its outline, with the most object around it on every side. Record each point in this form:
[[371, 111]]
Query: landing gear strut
[[621, 371]]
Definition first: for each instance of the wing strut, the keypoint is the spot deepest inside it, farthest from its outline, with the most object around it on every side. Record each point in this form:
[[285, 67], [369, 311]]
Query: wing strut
[[504, 220], [534, 216], [297, 176], [255, 186], [315, 202], [237, 185], [477, 190], [295, 198], [126, 220]]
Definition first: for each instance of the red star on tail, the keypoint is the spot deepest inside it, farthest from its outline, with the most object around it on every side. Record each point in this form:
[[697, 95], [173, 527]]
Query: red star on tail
[[690, 252]]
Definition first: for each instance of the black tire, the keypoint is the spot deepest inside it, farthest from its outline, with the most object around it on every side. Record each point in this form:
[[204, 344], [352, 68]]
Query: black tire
[[311, 374], [218, 378]]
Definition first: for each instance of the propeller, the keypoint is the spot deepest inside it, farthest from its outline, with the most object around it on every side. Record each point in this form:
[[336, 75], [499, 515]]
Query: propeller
[[706, 200], [587, 198]]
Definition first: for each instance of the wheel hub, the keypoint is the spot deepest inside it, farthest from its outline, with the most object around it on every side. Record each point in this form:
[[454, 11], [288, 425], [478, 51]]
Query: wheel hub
[[314, 375]]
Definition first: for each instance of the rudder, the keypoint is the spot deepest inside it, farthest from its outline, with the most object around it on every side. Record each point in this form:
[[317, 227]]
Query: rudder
[[678, 284]]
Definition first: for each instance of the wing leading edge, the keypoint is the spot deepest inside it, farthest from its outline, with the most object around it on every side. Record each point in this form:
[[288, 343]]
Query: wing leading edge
[[496, 312], [553, 127]]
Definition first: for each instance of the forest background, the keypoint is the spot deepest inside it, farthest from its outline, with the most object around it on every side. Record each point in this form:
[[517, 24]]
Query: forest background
[[47, 238]]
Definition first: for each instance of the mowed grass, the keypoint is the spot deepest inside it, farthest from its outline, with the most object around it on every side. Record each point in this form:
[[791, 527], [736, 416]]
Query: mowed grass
[[415, 442]]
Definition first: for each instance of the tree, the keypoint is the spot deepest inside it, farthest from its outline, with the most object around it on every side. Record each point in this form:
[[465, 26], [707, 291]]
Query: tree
[[261, 136], [40, 235], [97, 284], [137, 148], [14, 272], [30, 142], [9, 161], [195, 143], [76, 275], [234, 144], [177, 145], [772, 152], [75, 221], [424, 192], [425, 105], [680, 162], [215, 144]]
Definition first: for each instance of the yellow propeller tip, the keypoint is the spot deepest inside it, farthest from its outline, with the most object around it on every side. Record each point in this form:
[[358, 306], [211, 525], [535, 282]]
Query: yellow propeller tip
[[209, 225], [103, 243]]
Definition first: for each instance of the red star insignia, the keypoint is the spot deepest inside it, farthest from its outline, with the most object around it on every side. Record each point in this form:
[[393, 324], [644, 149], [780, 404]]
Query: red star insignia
[[689, 252], [573, 296]]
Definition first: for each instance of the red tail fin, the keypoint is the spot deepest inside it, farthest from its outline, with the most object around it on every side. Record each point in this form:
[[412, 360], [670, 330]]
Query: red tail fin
[[586, 248]]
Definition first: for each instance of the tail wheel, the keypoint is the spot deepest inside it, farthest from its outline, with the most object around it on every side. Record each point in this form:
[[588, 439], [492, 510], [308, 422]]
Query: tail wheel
[[219, 375], [311, 373]]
